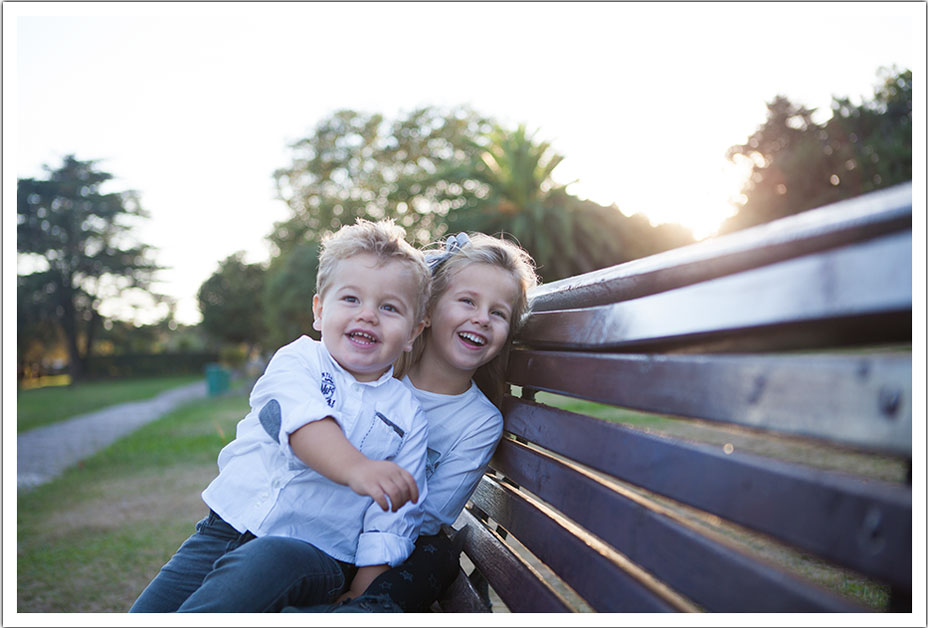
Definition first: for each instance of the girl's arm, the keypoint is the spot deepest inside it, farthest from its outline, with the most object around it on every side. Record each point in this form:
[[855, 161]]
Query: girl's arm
[[323, 447], [362, 579]]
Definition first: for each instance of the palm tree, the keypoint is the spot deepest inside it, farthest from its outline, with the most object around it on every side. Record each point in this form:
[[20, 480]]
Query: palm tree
[[523, 200]]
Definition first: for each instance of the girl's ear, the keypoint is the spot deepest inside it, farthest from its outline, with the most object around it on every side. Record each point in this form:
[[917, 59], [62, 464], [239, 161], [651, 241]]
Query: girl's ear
[[317, 313]]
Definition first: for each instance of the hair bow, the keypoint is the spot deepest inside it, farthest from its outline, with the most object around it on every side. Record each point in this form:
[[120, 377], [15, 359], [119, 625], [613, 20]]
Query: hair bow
[[452, 244]]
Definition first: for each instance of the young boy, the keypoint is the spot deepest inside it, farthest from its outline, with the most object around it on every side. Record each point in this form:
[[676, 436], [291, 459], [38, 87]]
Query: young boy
[[292, 503]]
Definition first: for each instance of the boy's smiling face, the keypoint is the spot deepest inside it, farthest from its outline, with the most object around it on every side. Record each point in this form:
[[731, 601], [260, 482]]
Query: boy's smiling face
[[367, 314]]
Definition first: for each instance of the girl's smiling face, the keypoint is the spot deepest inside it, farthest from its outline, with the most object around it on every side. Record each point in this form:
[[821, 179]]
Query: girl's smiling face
[[470, 321]]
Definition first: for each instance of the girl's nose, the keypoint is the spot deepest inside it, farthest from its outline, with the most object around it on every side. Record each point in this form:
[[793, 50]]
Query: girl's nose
[[481, 318]]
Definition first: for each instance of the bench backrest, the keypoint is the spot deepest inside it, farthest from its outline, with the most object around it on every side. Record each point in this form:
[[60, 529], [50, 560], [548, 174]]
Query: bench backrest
[[795, 337]]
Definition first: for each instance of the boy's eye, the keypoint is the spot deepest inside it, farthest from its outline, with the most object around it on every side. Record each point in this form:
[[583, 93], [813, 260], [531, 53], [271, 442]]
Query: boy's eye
[[389, 307], [467, 300], [350, 299]]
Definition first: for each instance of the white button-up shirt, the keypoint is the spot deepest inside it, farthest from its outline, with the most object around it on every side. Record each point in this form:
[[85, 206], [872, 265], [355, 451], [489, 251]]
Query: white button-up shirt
[[263, 487]]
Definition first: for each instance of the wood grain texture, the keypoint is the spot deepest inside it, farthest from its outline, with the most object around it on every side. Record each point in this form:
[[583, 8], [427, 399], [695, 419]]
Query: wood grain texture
[[836, 298], [863, 525], [520, 587], [847, 222], [712, 574], [864, 401], [604, 579]]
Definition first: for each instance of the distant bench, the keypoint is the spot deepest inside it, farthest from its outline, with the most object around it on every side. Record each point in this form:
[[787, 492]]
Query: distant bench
[[800, 327]]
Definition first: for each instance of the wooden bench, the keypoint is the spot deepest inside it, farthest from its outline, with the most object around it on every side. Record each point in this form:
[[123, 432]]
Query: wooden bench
[[761, 461]]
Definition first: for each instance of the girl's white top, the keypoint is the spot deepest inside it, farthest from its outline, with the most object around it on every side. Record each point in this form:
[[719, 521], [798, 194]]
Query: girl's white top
[[263, 487], [463, 433]]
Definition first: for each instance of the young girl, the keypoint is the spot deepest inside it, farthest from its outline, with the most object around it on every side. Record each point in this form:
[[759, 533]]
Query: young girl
[[455, 370]]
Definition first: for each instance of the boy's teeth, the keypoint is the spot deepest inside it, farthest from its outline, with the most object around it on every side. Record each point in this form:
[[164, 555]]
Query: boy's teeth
[[363, 336], [477, 340]]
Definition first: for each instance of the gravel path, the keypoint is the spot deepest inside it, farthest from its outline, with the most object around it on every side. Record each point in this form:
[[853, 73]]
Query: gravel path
[[43, 453]]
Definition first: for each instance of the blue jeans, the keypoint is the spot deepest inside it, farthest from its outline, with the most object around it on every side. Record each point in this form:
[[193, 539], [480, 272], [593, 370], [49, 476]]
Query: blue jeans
[[220, 570]]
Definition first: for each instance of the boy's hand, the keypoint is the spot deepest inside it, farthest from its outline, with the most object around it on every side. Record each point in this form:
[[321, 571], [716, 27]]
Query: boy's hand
[[380, 479]]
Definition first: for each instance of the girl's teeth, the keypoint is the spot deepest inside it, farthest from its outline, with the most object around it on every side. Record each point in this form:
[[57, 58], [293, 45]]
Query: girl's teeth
[[472, 338]]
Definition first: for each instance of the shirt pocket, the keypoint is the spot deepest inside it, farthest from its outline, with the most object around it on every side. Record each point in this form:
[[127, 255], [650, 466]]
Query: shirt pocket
[[382, 439]]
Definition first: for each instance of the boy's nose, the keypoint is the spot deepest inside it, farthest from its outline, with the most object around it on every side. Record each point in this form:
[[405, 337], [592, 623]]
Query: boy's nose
[[368, 314]]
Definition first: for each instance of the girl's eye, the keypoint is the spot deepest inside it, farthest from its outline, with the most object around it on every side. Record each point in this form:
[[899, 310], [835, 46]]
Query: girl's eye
[[500, 313]]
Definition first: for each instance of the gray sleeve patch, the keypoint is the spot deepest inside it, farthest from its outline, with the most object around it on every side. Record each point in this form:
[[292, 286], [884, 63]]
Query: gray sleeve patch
[[269, 416]]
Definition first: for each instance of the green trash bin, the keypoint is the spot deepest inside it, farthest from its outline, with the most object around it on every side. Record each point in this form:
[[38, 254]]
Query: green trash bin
[[217, 379]]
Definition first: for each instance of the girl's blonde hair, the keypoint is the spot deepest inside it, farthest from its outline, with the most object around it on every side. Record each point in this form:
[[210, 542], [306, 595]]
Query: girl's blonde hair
[[479, 248]]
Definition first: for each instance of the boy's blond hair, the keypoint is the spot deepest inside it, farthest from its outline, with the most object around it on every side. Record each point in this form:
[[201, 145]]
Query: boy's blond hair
[[383, 239], [481, 249]]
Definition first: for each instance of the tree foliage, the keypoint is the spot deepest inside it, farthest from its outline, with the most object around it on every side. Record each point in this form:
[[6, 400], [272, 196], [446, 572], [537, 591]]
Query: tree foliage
[[37, 332], [77, 239], [565, 235], [436, 171], [288, 294], [523, 200], [231, 302], [415, 169], [798, 164]]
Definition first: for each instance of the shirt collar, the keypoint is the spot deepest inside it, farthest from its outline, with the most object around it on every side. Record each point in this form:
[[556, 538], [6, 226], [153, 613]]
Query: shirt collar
[[469, 391], [388, 374]]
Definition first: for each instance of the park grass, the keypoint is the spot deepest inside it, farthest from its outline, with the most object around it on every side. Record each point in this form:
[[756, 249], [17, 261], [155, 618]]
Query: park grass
[[43, 406], [92, 539]]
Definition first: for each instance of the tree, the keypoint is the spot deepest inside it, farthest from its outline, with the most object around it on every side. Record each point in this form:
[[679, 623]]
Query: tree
[[605, 236], [288, 294], [565, 235], [77, 241], [231, 302], [37, 333], [798, 164], [524, 201], [437, 171], [415, 169]]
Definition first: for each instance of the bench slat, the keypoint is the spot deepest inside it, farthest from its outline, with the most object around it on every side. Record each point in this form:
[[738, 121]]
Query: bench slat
[[715, 576], [516, 582], [462, 597], [864, 401], [833, 226], [852, 295], [843, 520], [582, 562]]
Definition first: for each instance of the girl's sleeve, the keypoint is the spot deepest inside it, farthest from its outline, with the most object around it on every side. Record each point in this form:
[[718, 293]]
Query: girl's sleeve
[[288, 396], [389, 537], [458, 473]]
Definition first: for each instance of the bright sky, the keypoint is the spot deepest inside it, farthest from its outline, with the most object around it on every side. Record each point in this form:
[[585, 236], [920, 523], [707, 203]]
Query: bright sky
[[194, 105]]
